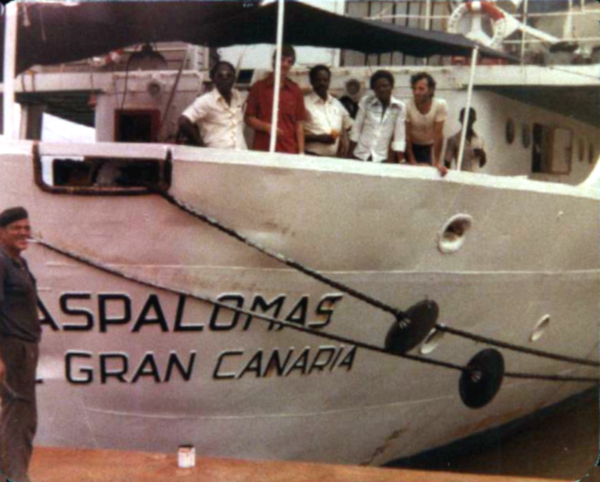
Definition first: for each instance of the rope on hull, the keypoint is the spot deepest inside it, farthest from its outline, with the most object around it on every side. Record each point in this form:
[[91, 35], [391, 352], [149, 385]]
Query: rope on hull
[[399, 314], [329, 336]]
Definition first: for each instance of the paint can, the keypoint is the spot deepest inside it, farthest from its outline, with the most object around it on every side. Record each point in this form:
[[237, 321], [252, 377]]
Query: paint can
[[186, 456]]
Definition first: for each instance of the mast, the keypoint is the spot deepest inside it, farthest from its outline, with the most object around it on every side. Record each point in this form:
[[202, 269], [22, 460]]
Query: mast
[[463, 134], [275, 113], [524, 32], [10, 63]]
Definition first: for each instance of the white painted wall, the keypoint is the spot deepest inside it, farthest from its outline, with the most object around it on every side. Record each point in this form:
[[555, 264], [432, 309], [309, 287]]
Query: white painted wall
[[55, 129], [515, 159]]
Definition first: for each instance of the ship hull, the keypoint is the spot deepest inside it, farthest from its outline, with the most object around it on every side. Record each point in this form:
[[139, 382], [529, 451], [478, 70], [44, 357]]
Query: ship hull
[[128, 366]]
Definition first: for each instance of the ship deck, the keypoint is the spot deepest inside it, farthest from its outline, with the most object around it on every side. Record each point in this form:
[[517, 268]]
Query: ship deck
[[75, 465]]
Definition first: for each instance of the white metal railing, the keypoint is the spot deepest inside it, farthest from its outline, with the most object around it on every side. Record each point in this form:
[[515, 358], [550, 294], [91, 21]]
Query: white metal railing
[[446, 17], [567, 39], [528, 36]]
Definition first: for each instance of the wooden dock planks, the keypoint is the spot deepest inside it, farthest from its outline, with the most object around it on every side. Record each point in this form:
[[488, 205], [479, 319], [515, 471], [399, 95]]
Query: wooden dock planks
[[74, 465]]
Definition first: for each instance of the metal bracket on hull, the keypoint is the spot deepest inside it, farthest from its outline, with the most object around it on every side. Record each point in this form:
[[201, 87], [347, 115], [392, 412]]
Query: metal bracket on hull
[[128, 176]]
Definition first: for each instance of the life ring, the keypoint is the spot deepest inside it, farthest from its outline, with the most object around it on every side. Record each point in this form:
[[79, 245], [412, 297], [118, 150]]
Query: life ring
[[113, 57], [499, 21]]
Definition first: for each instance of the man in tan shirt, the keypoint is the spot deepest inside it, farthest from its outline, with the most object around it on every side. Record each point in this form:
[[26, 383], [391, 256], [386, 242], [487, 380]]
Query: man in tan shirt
[[425, 117]]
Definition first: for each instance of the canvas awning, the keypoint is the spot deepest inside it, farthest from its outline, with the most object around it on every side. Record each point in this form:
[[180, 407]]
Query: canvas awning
[[310, 26], [53, 33]]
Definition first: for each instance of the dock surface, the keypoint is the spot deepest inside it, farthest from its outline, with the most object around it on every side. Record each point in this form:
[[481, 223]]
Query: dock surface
[[75, 465]]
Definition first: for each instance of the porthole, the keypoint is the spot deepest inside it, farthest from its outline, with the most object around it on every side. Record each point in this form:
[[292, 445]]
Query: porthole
[[581, 150], [453, 234], [510, 131], [526, 136], [540, 328]]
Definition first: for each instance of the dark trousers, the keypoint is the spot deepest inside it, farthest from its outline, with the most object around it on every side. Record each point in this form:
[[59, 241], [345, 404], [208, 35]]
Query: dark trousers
[[18, 420], [423, 153]]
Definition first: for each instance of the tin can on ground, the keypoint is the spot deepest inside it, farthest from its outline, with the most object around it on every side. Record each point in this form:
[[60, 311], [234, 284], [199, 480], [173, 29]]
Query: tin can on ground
[[186, 456]]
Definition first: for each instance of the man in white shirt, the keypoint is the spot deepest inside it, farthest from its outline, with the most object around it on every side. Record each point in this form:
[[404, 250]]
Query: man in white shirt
[[381, 118], [219, 114], [327, 123], [474, 151], [425, 119]]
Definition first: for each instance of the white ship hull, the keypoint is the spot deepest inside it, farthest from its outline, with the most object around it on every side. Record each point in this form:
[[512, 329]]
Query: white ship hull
[[127, 366]]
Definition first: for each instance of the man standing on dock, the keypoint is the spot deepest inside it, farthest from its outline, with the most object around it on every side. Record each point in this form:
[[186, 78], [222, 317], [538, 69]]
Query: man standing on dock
[[20, 333]]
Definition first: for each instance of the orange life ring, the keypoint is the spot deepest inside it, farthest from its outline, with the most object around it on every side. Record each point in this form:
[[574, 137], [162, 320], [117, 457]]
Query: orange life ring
[[496, 15]]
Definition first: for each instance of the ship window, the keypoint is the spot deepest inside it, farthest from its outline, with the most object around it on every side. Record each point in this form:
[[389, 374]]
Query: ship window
[[552, 150], [526, 136], [581, 150], [510, 131], [101, 175], [137, 125]]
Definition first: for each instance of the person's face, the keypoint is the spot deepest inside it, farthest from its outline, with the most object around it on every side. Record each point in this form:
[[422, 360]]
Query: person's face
[[286, 65], [421, 91], [14, 236], [320, 83], [383, 90], [224, 78], [472, 119]]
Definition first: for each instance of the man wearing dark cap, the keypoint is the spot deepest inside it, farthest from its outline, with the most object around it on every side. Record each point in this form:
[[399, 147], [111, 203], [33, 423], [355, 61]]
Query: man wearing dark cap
[[20, 332]]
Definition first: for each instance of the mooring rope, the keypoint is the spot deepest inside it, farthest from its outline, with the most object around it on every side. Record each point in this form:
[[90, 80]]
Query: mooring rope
[[398, 313], [550, 378], [207, 299], [329, 336], [517, 348]]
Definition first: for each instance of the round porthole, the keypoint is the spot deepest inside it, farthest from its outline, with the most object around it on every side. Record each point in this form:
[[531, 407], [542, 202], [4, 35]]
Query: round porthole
[[510, 131], [526, 136], [453, 234], [431, 342], [540, 328], [581, 150]]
